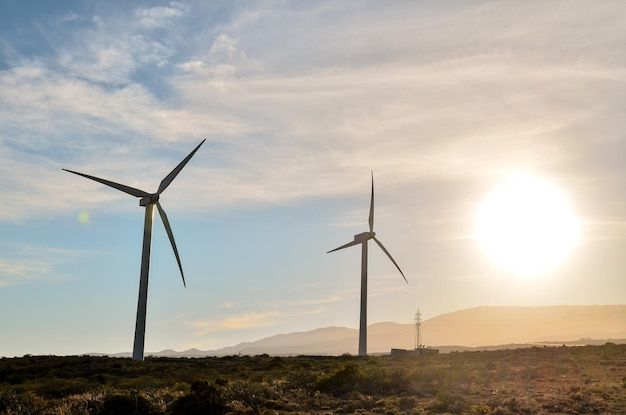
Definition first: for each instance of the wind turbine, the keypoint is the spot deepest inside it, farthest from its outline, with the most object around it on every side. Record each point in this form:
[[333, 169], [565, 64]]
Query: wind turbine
[[362, 239], [148, 200]]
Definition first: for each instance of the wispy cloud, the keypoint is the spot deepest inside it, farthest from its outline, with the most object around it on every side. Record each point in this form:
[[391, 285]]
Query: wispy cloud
[[238, 322], [69, 17], [23, 264], [22, 269], [434, 107], [316, 301]]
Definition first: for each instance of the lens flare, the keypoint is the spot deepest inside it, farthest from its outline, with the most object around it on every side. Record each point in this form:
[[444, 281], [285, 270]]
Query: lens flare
[[83, 217]]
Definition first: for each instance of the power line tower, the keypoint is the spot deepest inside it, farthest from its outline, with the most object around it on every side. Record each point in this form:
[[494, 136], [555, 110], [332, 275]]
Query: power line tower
[[418, 329]]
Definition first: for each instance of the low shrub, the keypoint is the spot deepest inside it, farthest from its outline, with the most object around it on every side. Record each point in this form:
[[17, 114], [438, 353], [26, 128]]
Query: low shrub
[[340, 381], [204, 398], [253, 395], [447, 401], [133, 404]]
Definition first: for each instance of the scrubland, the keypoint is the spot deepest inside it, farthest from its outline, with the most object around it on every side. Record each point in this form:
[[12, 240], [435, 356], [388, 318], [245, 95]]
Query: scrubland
[[538, 380]]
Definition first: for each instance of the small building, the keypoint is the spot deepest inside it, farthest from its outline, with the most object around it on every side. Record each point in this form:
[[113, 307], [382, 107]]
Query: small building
[[418, 351], [419, 348]]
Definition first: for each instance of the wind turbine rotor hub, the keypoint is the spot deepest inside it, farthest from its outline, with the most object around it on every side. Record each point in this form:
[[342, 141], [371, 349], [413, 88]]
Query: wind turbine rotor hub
[[145, 201], [364, 236]]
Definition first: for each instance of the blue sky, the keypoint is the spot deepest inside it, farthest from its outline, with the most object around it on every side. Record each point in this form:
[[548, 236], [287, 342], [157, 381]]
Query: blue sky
[[298, 101]]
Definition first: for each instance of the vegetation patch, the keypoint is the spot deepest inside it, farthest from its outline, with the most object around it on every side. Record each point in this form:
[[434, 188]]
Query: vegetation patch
[[539, 380]]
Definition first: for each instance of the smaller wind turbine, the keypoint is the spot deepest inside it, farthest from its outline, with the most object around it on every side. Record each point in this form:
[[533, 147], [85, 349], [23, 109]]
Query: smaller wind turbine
[[362, 239], [148, 200]]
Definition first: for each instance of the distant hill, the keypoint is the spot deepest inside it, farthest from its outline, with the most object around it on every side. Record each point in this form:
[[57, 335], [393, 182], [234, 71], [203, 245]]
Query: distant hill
[[484, 326], [480, 327]]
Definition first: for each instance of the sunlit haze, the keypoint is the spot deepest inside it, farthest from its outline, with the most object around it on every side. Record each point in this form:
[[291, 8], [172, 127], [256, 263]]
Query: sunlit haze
[[495, 132], [527, 226]]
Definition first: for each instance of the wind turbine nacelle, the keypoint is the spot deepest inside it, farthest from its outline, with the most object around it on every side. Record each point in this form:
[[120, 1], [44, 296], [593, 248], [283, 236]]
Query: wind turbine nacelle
[[364, 236], [144, 201]]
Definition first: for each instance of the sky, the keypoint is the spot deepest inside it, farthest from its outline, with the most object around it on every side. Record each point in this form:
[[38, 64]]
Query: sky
[[300, 103]]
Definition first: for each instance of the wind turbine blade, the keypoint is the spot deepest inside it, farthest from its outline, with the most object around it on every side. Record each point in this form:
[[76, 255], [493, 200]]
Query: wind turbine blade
[[168, 229], [346, 245], [123, 188], [371, 218], [168, 179], [390, 257]]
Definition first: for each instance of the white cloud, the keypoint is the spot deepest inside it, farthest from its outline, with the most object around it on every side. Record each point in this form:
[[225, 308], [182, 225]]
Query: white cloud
[[223, 61], [114, 47], [367, 89], [156, 17], [53, 116]]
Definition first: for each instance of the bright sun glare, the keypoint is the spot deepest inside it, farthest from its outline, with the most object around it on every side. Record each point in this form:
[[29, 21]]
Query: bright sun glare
[[526, 226]]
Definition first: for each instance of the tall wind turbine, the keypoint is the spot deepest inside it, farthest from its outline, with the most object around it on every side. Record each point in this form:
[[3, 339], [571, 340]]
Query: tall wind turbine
[[148, 200], [362, 239]]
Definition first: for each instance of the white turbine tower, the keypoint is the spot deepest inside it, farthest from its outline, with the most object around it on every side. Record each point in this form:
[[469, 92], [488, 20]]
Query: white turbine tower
[[148, 200], [362, 239]]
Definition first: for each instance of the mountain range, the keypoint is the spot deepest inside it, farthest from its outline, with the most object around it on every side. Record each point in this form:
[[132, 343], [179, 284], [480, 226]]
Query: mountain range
[[477, 328]]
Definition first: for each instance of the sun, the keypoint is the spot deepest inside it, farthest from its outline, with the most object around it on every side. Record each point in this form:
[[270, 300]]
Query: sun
[[526, 226]]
